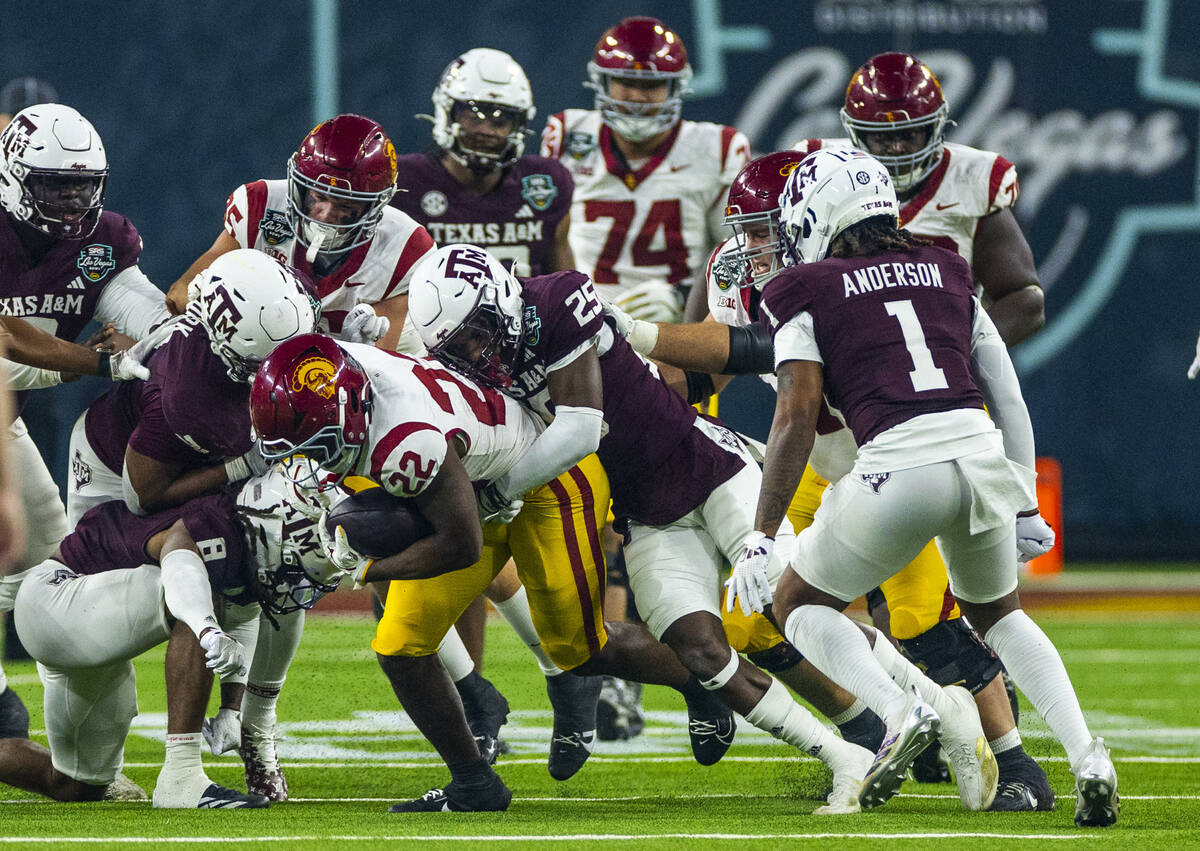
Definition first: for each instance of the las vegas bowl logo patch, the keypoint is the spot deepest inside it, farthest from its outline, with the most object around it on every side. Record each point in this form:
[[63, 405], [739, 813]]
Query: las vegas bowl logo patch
[[96, 261]]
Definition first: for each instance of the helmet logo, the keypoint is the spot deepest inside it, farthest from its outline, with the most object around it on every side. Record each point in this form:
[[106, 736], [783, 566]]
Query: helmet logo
[[469, 264], [863, 178], [16, 137], [390, 152], [317, 375], [335, 182], [787, 169], [222, 314]]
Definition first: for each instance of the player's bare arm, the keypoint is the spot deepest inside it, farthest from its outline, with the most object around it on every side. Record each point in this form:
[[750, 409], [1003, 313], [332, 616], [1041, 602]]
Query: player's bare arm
[[32, 346], [1004, 267], [561, 256], [159, 486], [177, 295], [448, 503], [793, 430], [394, 309]]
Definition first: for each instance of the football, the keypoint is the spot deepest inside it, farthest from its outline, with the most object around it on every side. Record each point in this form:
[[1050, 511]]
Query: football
[[378, 524]]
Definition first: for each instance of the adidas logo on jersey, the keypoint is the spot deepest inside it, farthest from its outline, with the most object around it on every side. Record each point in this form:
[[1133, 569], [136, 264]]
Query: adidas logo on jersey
[[524, 212], [77, 284]]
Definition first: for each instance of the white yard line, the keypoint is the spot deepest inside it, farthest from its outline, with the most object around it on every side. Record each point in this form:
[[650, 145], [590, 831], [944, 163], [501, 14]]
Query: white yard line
[[567, 837]]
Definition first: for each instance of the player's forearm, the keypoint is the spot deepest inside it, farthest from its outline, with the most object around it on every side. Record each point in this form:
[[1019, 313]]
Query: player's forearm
[[788, 448], [158, 494], [442, 552], [574, 434], [34, 347], [1020, 314], [699, 347]]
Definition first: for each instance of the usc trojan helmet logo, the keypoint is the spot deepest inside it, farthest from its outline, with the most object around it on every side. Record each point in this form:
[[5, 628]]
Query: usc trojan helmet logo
[[316, 374]]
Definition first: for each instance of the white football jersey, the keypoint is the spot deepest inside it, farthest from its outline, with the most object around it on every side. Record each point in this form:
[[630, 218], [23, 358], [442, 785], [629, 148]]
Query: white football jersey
[[256, 216], [965, 186], [657, 223], [419, 407]]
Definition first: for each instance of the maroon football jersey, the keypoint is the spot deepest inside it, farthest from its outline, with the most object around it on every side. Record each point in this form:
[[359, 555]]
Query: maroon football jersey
[[59, 292], [659, 465], [188, 412], [111, 537], [893, 330], [515, 221]]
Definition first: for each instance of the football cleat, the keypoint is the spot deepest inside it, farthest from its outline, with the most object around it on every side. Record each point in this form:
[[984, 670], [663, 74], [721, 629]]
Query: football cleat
[[633, 708], [848, 777], [491, 797], [193, 790], [919, 725], [612, 714], [574, 736], [263, 775], [975, 769], [218, 797], [14, 717], [930, 766], [1097, 803], [124, 789], [1023, 786], [486, 710], [711, 727]]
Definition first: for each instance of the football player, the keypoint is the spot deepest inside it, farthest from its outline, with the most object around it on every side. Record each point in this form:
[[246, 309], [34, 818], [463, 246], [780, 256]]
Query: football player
[[330, 220], [928, 627], [126, 583], [64, 261], [931, 463], [680, 482]]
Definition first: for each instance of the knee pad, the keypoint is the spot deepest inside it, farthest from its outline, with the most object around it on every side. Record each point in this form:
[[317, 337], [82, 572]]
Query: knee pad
[[952, 653], [777, 659]]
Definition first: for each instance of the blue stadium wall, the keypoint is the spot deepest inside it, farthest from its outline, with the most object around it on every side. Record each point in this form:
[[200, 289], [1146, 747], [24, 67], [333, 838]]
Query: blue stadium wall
[[1097, 109]]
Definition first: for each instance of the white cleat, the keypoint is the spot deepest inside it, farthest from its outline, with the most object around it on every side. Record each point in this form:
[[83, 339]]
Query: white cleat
[[1096, 801], [124, 789], [848, 777], [191, 790], [975, 768], [918, 728]]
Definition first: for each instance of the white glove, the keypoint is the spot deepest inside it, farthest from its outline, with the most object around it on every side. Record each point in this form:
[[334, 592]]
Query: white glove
[[495, 507], [225, 656], [1194, 369], [1034, 537], [343, 556], [361, 325], [641, 335], [224, 732], [748, 581], [124, 366], [653, 301], [249, 463]]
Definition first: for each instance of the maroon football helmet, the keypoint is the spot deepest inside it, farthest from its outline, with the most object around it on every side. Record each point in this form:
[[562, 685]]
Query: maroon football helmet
[[311, 398], [754, 203], [639, 49], [351, 160], [896, 93]]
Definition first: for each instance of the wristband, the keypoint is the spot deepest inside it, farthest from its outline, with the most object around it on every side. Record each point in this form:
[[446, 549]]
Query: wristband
[[699, 386], [237, 469], [104, 365], [643, 337]]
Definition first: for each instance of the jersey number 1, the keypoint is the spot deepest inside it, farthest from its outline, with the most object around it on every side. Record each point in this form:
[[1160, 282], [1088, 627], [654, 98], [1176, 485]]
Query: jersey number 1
[[925, 376]]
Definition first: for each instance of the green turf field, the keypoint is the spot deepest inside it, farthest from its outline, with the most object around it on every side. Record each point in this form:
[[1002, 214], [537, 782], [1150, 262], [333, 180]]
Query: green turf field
[[349, 753]]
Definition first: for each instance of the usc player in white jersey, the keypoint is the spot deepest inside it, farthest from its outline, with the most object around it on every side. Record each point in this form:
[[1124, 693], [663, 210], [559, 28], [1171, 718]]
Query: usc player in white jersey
[[649, 187], [330, 220]]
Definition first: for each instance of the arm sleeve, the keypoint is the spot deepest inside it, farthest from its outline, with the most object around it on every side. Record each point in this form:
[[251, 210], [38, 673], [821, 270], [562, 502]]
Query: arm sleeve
[[22, 377], [186, 590], [796, 340], [997, 378], [132, 303], [574, 434]]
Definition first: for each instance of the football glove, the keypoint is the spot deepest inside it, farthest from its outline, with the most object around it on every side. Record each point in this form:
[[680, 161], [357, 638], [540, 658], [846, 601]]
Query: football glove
[[653, 301], [641, 335], [1034, 537], [343, 556], [1194, 369], [249, 463], [124, 366], [748, 582], [495, 507], [225, 656], [224, 732], [361, 325]]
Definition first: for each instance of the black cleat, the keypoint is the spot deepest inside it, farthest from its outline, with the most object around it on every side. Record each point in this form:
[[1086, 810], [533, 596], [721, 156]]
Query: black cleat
[[1023, 786], [574, 701], [711, 727], [929, 767], [491, 797], [486, 710], [14, 717], [218, 797]]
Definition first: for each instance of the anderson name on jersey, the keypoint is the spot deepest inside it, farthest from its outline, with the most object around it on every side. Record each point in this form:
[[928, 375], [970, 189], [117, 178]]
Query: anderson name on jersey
[[256, 216], [653, 223], [966, 185]]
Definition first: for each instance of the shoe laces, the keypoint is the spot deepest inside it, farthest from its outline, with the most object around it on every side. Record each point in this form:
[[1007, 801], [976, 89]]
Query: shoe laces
[[574, 739]]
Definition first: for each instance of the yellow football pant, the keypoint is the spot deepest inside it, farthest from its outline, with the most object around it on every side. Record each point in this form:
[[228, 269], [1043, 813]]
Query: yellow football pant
[[918, 597], [555, 543]]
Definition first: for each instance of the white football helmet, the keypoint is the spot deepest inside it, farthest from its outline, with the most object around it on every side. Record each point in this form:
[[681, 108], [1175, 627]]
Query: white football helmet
[[829, 191], [467, 307], [279, 519], [492, 85], [249, 303], [52, 171]]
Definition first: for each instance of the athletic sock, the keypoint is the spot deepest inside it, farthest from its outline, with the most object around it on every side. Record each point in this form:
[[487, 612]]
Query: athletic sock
[[474, 772], [1037, 669], [908, 676], [860, 725], [454, 656], [515, 610], [778, 714], [1005, 743], [183, 753], [258, 706]]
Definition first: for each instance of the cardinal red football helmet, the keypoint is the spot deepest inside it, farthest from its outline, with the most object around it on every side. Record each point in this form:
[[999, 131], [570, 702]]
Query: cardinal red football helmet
[[311, 398], [350, 159], [639, 49], [895, 93], [754, 203]]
